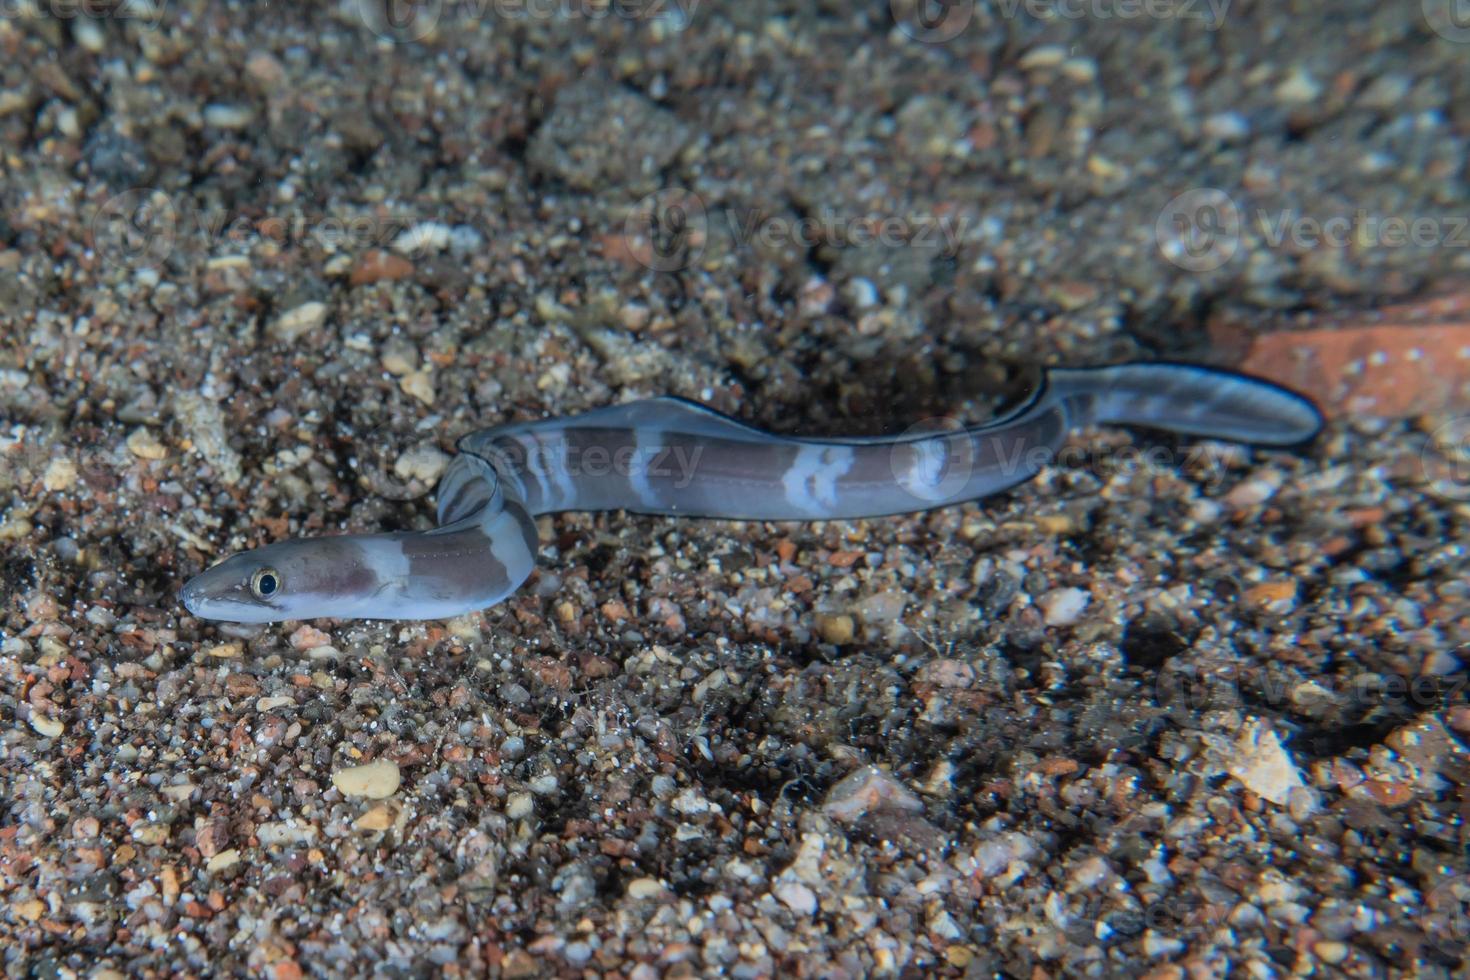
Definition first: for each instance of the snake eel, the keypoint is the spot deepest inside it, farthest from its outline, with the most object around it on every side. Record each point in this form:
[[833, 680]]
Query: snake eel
[[676, 457]]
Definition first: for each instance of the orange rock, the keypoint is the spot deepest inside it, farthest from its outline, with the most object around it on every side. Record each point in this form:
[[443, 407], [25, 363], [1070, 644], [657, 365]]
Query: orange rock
[[380, 266], [1270, 593], [1403, 360]]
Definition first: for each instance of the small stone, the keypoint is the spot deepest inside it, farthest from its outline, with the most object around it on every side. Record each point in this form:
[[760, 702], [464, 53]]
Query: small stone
[[380, 266], [865, 789], [797, 897], [296, 323], [30, 910], [1263, 766], [1081, 70], [378, 818], [1260, 487], [418, 384], [224, 859], [426, 236], [307, 637], [150, 833], [1043, 57], [1330, 951], [1298, 88], [1063, 607], [88, 34], [47, 726], [425, 463], [224, 116], [60, 475], [225, 651], [143, 444], [518, 806], [1227, 126], [643, 888], [375, 780], [1277, 597], [836, 629]]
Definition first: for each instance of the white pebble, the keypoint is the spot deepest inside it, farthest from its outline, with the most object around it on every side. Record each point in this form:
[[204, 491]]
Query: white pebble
[[375, 780], [1063, 607]]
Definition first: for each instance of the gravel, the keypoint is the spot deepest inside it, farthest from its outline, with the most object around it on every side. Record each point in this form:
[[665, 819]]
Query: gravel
[[1169, 709]]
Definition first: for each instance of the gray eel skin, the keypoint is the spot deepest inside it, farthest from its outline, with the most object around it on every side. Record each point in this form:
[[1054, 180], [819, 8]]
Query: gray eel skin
[[671, 456]]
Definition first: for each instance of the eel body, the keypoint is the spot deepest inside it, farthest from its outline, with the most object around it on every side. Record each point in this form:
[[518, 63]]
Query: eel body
[[671, 456]]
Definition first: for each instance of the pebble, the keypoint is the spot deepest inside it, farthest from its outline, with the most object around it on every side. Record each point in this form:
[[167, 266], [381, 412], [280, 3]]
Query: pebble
[[225, 116], [223, 860], [644, 888], [379, 817], [1063, 607], [836, 629], [1044, 57], [204, 421], [1261, 763], [61, 474], [796, 896], [375, 780], [1227, 126], [143, 444], [865, 789], [425, 463], [518, 806], [379, 266], [424, 237], [299, 321], [47, 726], [418, 384]]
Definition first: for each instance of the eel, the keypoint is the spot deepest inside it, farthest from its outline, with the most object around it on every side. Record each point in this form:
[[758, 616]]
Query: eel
[[676, 457]]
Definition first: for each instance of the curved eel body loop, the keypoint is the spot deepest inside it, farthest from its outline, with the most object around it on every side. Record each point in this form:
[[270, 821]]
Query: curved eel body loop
[[671, 456]]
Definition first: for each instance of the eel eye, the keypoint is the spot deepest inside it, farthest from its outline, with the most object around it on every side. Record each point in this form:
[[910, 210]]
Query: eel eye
[[265, 583]]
